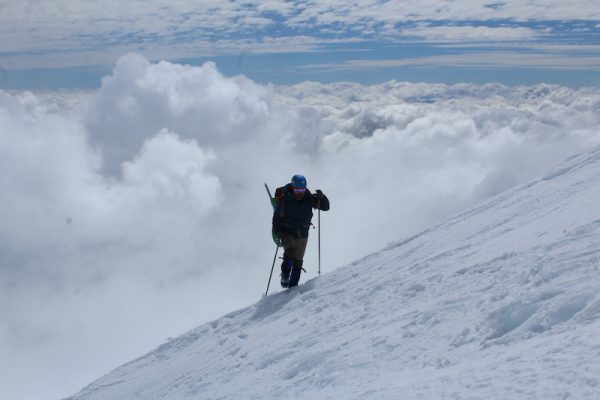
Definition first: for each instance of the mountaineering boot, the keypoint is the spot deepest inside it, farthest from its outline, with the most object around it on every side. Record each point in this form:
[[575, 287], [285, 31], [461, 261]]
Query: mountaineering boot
[[286, 268], [285, 280], [295, 275]]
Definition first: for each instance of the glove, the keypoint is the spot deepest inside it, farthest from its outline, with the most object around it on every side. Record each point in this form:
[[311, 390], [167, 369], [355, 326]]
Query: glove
[[318, 195]]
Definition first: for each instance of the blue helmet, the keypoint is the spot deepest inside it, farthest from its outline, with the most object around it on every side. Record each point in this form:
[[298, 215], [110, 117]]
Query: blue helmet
[[299, 181]]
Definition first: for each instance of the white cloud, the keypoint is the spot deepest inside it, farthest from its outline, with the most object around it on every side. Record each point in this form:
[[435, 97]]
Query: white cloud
[[196, 102], [481, 59], [413, 10], [34, 34], [143, 213], [455, 34]]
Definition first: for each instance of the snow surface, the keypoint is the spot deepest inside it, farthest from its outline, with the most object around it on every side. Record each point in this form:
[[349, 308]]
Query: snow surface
[[499, 302]]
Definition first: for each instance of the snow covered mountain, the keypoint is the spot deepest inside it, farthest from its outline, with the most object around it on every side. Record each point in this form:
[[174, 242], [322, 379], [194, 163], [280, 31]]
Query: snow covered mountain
[[499, 302]]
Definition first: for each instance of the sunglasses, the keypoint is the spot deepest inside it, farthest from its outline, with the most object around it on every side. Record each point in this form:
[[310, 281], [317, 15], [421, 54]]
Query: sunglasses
[[299, 190]]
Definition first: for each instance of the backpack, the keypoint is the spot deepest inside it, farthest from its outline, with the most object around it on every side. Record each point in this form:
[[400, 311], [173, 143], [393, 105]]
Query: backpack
[[279, 193]]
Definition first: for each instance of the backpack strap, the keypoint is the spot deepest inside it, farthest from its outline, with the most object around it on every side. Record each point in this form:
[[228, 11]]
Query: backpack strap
[[279, 194], [278, 199]]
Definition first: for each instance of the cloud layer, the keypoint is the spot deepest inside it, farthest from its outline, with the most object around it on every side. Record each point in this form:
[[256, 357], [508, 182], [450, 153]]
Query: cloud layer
[[98, 33], [142, 212]]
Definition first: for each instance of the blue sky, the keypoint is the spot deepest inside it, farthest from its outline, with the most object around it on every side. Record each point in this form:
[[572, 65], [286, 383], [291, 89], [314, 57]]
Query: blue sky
[[72, 44]]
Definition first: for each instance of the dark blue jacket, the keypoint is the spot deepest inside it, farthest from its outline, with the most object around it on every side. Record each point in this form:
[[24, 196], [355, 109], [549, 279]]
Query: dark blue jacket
[[293, 216]]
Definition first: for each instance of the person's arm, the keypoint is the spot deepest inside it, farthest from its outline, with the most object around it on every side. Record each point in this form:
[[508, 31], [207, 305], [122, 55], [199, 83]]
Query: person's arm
[[276, 229], [320, 201]]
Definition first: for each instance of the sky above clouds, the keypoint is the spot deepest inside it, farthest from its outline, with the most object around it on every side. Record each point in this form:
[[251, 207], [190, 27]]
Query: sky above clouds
[[51, 44]]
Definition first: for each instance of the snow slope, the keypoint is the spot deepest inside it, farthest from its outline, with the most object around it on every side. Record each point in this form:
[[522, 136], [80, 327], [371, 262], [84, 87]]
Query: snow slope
[[499, 302]]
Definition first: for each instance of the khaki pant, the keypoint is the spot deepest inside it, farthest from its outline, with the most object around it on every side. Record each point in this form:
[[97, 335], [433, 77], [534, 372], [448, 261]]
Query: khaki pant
[[293, 248]]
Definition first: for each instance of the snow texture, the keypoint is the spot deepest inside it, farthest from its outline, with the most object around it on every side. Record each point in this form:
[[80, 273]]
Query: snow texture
[[499, 302]]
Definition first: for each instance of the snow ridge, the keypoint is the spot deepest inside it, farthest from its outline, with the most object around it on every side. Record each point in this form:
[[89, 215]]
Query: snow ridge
[[498, 302]]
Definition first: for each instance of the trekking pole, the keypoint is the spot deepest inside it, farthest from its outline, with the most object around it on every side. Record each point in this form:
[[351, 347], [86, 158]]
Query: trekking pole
[[319, 233], [273, 267]]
